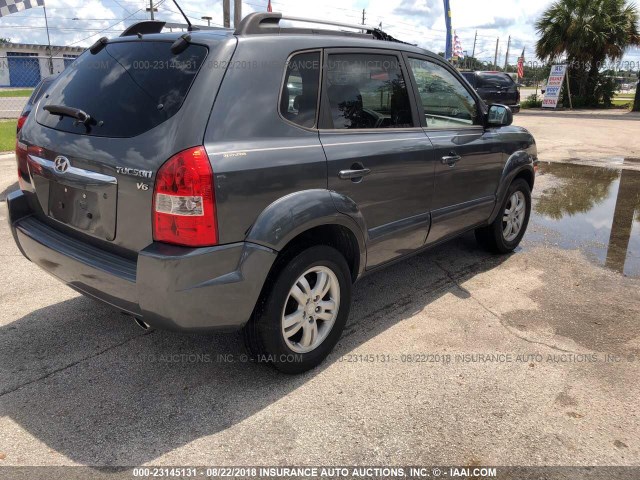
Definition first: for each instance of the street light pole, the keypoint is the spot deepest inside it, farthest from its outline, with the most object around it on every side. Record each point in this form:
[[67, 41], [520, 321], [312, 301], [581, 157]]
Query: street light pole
[[208, 19]]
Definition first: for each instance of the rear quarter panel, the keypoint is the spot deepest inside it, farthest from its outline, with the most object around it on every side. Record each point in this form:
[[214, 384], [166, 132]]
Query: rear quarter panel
[[257, 156]]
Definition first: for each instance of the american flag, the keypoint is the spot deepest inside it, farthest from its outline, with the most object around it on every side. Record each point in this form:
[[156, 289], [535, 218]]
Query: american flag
[[457, 47], [7, 7], [521, 65]]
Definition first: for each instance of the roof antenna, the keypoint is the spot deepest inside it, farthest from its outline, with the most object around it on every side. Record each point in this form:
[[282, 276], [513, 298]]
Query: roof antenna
[[190, 27]]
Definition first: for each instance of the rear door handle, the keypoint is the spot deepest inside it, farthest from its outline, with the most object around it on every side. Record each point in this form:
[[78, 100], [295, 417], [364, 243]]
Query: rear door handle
[[451, 160], [353, 174]]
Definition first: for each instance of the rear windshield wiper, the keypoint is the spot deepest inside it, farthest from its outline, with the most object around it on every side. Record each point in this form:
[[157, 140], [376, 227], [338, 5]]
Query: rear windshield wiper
[[63, 111]]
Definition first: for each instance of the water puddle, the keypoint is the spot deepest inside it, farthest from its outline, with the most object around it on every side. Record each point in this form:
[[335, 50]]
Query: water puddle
[[594, 209]]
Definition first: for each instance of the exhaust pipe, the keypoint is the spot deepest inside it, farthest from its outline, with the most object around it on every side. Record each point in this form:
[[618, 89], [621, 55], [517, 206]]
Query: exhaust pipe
[[143, 325]]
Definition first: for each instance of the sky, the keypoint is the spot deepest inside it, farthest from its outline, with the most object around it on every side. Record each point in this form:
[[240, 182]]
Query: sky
[[78, 22]]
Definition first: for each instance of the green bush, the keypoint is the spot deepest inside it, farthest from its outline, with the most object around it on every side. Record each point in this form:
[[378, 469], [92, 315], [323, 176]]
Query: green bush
[[532, 101], [605, 91]]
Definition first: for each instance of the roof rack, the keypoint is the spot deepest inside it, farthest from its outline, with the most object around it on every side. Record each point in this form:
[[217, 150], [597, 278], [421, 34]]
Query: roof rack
[[263, 23]]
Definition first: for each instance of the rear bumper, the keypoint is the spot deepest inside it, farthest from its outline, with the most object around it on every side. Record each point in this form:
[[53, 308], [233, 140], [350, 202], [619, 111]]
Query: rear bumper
[[169, 287], [515, 108]]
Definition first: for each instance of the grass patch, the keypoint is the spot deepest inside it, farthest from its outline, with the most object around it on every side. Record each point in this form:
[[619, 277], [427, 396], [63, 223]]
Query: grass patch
[[7, 135], [25, 92]]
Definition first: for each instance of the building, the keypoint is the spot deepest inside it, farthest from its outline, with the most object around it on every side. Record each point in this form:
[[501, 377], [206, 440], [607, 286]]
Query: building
[[24, 65]]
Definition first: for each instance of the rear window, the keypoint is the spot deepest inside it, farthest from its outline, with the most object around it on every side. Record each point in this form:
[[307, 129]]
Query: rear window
[[494, 80], [469, 77], [42, 89], [127, 88]]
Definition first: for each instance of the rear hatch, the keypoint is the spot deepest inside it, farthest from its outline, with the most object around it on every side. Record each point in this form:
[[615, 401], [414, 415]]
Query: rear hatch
[[496, 87], [105, 127]]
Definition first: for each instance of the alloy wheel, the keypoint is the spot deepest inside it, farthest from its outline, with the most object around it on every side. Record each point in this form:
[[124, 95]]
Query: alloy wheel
[[311, 309]]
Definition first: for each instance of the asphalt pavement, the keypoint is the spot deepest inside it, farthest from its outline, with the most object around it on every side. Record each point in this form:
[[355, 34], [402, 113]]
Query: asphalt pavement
[[454, 356]]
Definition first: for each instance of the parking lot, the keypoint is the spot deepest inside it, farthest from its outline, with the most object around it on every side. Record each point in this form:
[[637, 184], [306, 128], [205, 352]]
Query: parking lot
[[453, 357]]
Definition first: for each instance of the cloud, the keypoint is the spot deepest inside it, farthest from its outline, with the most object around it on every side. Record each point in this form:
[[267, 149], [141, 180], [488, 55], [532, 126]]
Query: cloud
[[498, 23], [415, 21]]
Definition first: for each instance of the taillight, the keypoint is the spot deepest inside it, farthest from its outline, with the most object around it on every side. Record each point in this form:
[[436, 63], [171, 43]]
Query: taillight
[[184, 209], [21, 121], [23, 169]]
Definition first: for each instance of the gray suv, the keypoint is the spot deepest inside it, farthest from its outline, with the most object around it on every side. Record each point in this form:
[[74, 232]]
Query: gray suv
[[222, 180]]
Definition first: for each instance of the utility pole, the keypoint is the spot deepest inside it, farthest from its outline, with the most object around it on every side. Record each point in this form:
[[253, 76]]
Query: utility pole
[[475, 40], [506, 58], [150, 9], [237, 12], [226, 13], [363, 16], [208, 19], [495, 61], [46, 22], [636, 102]]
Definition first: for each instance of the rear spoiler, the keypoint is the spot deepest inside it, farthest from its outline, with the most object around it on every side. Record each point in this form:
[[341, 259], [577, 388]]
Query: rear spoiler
[[147, 27], [144, 28]]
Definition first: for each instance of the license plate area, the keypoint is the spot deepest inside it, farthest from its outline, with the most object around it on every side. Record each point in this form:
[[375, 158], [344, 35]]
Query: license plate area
[[89, 209], [82, 199], [76, 207]]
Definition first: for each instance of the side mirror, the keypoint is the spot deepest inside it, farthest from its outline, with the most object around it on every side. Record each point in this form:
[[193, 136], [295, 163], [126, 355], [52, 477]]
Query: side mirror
[[499, 116]]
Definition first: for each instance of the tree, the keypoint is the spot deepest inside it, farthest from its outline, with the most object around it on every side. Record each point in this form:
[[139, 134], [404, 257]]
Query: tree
[[587, 33], [472, 63]]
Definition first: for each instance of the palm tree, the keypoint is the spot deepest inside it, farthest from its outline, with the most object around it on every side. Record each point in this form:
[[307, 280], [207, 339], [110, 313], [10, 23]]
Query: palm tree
[[587, 32]]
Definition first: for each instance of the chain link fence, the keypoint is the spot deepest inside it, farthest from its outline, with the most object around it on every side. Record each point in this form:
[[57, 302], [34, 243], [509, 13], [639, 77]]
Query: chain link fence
[[20, 73]]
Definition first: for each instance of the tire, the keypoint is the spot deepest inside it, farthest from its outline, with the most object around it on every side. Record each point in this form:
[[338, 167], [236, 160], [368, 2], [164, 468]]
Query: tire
[[493, 236], [265, 335]]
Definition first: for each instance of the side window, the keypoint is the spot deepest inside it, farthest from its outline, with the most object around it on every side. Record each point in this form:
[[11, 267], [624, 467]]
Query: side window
[[367, 91], [445, 100], [299, 98]]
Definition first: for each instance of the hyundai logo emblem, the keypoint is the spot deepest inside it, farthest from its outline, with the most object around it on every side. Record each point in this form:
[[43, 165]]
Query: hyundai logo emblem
[[61, 164]]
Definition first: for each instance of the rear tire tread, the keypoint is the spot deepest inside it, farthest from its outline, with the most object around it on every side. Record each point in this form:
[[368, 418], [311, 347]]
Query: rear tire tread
[[262, 334]]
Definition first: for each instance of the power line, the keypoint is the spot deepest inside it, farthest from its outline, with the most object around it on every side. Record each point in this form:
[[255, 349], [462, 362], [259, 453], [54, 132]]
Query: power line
[[108, 28]]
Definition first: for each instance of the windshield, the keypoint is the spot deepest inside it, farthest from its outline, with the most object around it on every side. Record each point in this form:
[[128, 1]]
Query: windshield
[[127, 88]]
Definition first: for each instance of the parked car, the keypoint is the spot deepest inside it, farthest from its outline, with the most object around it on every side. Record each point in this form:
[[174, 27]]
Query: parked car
[[216, 181], [37, 93], [495, 87]]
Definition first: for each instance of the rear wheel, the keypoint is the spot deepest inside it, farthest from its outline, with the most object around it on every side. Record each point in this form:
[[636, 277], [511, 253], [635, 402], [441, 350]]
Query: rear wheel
[[507, 230], [300, 318]]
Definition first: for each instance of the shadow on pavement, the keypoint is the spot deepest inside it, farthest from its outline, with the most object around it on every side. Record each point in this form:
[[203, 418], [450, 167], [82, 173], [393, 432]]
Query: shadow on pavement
[[92, 386]]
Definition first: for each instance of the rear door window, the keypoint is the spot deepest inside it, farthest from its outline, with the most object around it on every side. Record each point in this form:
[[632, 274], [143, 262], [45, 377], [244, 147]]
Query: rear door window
[[127, 88], [367, 91], [299, 97]]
